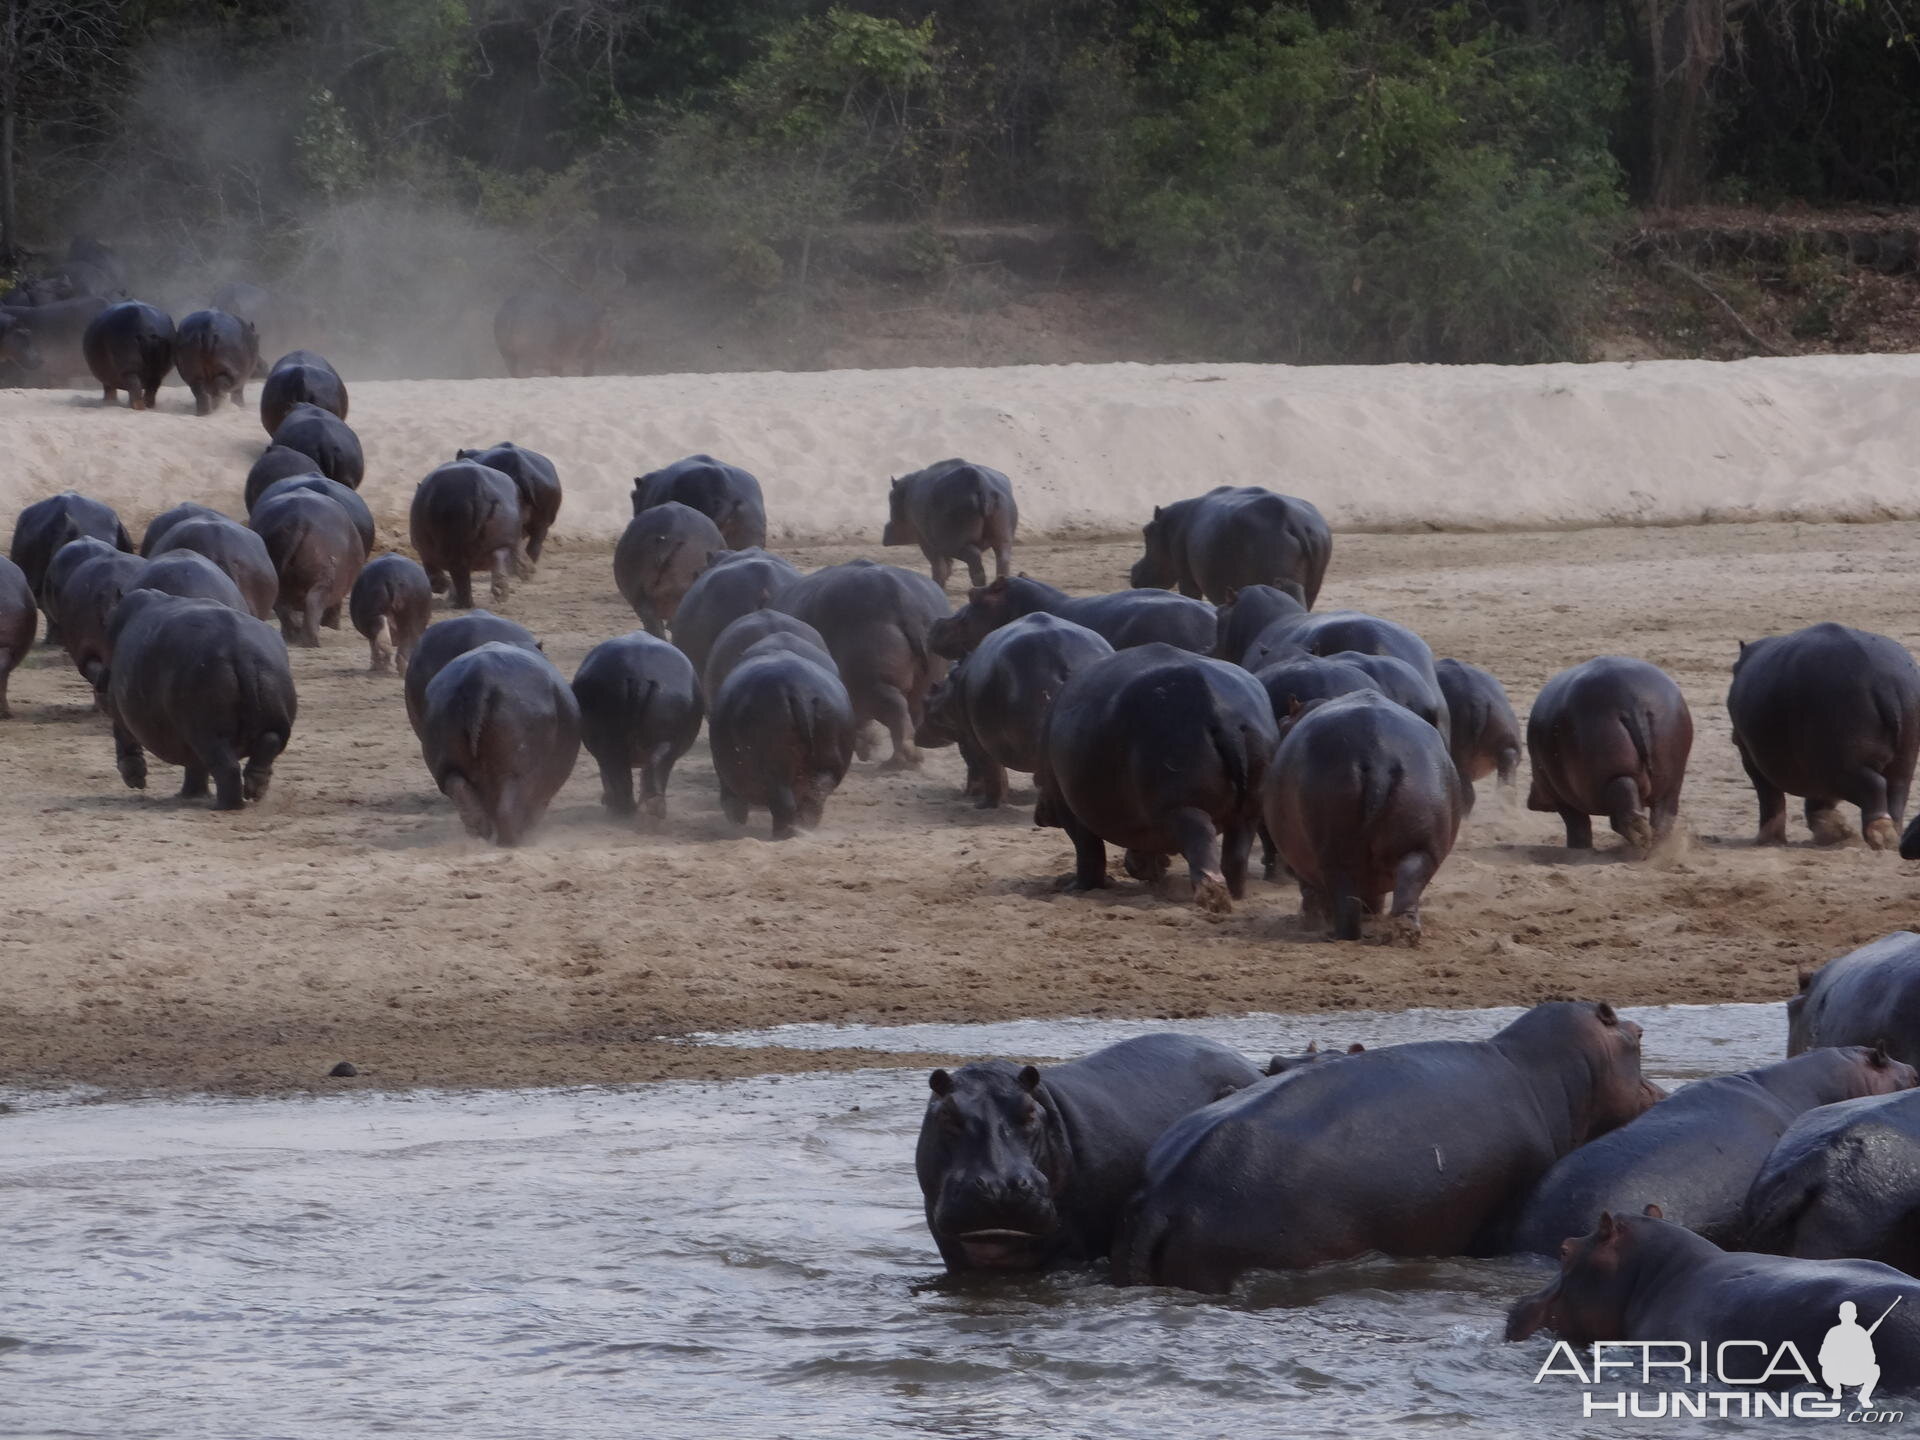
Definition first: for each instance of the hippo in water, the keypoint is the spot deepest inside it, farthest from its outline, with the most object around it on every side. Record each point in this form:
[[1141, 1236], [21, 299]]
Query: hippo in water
[[277, 463], [1696, 1152], [640, 709], [1869, 996], [1362, 801], [158, 527], [348, 500], [1610, 737], [466, 517], [1249, 611], [300, 377], [1312, 1055], [1420, 1149], [448, 638], [500, 732], [1484, 733], [1831, 714], [737, 583], [749, 630], [1022, 1167], [202, 686], [19, 619], [44, 526], [782, 732], [325, 439], [537, 479], [317, 553], [390, 604], [550, 332], [1843, 1182], [659, 556], [216, 354], [1125, 619], [954, 510], [1644, 1278], [235, 549], [725, 494], [1159, 751], [129, 347], [1231, 537]]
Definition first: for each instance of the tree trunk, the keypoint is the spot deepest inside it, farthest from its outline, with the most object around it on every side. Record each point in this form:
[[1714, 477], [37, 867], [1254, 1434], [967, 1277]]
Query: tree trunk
[[9, 211]]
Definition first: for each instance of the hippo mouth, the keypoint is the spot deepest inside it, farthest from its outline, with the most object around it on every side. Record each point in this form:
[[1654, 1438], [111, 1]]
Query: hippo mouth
[[1000, 1249]]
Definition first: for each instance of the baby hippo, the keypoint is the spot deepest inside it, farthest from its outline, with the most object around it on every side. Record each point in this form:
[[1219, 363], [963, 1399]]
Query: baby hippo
[[640, 709], [500, 734], [782, 731], [660, 554], [1610, 737], [390, 604]]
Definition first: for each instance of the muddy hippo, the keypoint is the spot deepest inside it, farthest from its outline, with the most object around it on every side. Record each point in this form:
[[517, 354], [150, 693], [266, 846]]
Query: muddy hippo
[[235, 549], [748, 631], [129, 346], [44, 526], [202, 686], [954, 510], [466, 517], [317, 553], [390, 605], [277, 463], [1312, 1055], [1247, 612], [1362, 801], [1642, 1277], [1610, 737], [550, 332], [1125, 619], [158, 527], [325, 439], [60, 335], [19, 619], [737, 583], [1695, 1153], [875, 620], [191, 576], [537, 479], [725, 494], [1021, 1168], [1831, 714], [1869, 996], [1484, 733], [1159, 751], [640, 709], [1231, 537], [1843, 1183], [445, 639], [86, 600], [659, 556], [357, 509], [1420, 1149], [500, 733], [999, 697], [216, 354], [300, 377], [782, 729]]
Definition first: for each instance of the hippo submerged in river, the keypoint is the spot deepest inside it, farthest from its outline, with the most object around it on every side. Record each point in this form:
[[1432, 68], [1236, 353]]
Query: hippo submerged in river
[[1843, 1182], [1869, 996]]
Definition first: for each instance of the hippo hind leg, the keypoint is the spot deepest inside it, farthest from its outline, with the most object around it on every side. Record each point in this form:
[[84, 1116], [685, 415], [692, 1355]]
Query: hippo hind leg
[[1410, 880], [1625, 815], [1869, 790], [897, 715], [1579, 828], [460, 580], [654, 775], [1824, 822], [474, 815], [1200, 844], [312, 609], [1773, 802], [1507, 764], [223, 766], [193, 785], [1089, 853], [785, 809], [616, 781], [502, 568], [259, 772], [976, 570]]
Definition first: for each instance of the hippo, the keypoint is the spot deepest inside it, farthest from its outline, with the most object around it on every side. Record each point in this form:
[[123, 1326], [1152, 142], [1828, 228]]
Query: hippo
[[1610, 737], [443, 640], [725, 494], [1247, 612], [465, 517], [749, 630], [87, 596], [325, 439], [737, 583], [1411, 1150], [235, 549], [1021, 1168], [1642, 1277], [500, 732], [67, 559], [1124, 619], [1843, 1183], [191, 576], [537, 479], [1399, 682], [640, 709], [19, 356], [216, 354], [276, 318], [782, 731], [1231, 537], [1334, 632], [158, 527], [19, 620], [1291, 684], [997, 700], [1362, 800], [357, 509], [954, 510], [300, 377], [1160, 751], [42, 528], [277, 463], [1484, 733], [1831, 714], [390, 605], [129, 346], [875, 620], [60, 334], [202, 686], [1696, 1152], [550, 332], [659, 556], [317, 553], [1869, 996], [1312, 1055], [33, 290]]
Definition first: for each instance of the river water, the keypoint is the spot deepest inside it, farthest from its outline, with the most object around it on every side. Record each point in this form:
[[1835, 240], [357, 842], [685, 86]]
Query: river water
[[738, 1259]]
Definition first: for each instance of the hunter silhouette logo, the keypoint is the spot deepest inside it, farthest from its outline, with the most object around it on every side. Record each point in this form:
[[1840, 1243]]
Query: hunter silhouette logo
[[1846, 1355]]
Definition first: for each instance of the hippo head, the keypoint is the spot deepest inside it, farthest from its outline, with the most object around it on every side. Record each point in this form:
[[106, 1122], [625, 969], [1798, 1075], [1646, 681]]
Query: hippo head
[[1587, 1301], [639, 493], [1312, 1055], [942, 723], [900, 527], [17, 348], [993, 1159], [988, 607], [1871, 1071], [1155, 569], [1595, 1056]]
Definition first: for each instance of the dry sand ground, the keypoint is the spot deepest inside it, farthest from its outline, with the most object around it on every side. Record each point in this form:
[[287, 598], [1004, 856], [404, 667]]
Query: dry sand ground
[[152, 943]]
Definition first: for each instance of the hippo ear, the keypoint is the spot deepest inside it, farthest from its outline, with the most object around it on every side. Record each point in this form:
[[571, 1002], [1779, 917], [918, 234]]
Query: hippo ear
[[1878, 1057], [1156, 512], [1356, 1048], [1806, 981], [1029, 1078], [1604, 1012], [1313, 1047], [1654, 1212], [1607, 1228], [1233, 594], [940, 1082], [1293, 706]]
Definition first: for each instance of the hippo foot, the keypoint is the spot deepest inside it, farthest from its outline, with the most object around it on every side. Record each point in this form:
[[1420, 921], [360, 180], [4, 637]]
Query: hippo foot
[[901, 760], [985, 802], [1074, 885], [135, 776], [1210, 894], [1881, 834], [1771, 835], [1637, 831], [1403, 930], [253, 786], [866, 743], [654, 807], [1147, 868], [1828, 828]]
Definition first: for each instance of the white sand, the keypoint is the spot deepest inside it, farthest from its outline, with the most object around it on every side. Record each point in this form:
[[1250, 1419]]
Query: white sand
[[1092, 448]]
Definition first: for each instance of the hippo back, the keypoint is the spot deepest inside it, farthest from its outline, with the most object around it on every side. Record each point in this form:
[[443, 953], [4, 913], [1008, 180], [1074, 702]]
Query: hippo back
[[1869, 996]]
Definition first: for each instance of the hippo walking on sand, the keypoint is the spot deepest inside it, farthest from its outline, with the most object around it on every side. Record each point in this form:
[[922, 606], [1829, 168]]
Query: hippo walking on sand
[[300, 377], [736, 583], [348, 500], [446, 639], [19, 619], [725, 494], [466, 517], [782, 731], [390, 605], [1124, 619], [1610, 737], [157, 528], [1484, 732], [659, 556], [235, 549], [216, 354], [537, 479], [1231, 537], [640, 709], [954, 510], [747, 634], [500, 733], [44, 526], [129, 346], [1246, 613], [325, 439]]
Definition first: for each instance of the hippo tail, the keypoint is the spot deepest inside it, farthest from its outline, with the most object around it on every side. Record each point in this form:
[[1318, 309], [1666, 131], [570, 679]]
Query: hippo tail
[[1230, 744], [1634, 720]]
